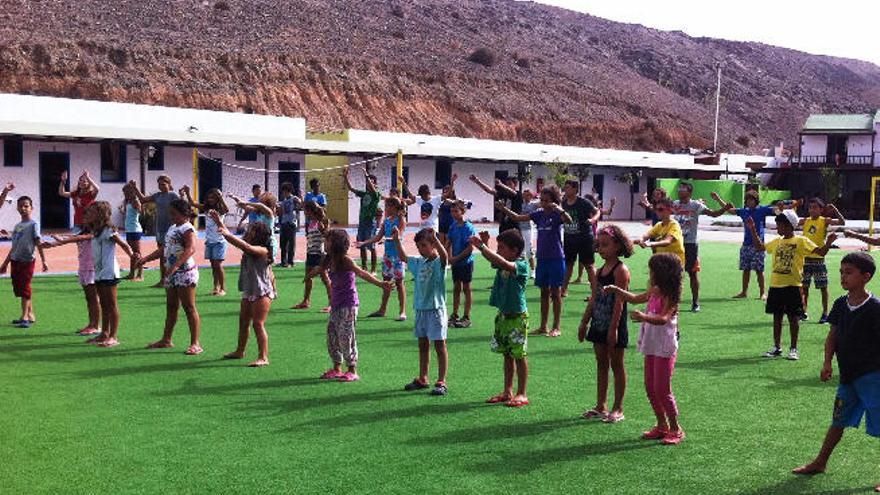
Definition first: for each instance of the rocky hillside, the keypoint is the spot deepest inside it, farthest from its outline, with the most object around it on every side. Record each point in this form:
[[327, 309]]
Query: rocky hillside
[[498, 69]]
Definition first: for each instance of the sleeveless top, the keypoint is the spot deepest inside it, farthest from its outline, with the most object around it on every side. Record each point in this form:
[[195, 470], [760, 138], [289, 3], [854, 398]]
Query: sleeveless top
[[604, 306], [343, 293], [658, 340], [132, 220], [255, 277]]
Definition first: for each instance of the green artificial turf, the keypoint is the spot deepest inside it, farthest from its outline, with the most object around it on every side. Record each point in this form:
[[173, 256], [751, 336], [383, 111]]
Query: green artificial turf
[[80, 419]]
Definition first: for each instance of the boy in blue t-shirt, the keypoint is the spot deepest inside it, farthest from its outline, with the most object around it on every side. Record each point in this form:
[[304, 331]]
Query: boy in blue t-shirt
[[750, 258], [429, 304], [459, 246], [855, 339], [512, 321]]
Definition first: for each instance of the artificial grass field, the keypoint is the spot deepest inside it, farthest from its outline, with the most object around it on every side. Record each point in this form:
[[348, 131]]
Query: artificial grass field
[[81, 419]]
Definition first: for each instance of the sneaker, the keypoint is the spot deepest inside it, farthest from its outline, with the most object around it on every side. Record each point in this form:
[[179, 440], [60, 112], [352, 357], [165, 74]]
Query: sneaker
[[348, 376], [695, 308], [673, 437], [773, 352], [439, 389], [805, 317], [463, 323], [793, 354], [655, 433], [453, 321], [823, 319], [24, 324], [415, 385]]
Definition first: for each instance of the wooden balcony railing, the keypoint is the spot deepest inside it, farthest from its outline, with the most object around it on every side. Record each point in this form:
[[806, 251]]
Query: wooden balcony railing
[[810, 161]]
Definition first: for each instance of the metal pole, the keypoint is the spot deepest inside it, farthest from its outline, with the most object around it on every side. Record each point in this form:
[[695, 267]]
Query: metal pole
[[145, 150], [266, 170], [717, 110]]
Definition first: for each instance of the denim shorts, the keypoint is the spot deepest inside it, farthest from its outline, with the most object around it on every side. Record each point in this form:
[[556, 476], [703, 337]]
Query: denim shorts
[[431, 324], [215, 251], [857, 399]]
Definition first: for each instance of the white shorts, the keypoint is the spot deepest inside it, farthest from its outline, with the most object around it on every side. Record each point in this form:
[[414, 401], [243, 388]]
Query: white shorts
[[527, 242]]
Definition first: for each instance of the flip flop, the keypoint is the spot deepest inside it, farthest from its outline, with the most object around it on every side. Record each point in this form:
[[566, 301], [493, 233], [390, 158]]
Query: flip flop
[[555, 333], [232, 355], [109, 343], [160, 345], [594, 414], [539, 332], [258, 364], [517, 403], [613, 418], [498, 398], [376, 314], [193, 350], [300, 306]]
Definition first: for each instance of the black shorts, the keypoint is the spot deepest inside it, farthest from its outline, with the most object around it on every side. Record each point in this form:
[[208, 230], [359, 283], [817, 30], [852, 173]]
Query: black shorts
[[692, 257], [597, 336], [579, 248], [107, 283], [784, 300], [444, 227], [463, 273], [313, 260]]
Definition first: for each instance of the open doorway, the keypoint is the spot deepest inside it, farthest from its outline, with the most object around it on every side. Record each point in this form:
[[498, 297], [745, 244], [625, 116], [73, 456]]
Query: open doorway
[[54, 210]]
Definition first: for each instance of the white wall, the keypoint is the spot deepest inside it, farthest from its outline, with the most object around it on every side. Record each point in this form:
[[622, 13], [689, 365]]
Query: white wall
[[814, 145], [859, 145], [87, 156]]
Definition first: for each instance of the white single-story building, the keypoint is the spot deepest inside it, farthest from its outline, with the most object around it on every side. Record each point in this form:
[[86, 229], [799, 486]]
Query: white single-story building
[[117, 142]]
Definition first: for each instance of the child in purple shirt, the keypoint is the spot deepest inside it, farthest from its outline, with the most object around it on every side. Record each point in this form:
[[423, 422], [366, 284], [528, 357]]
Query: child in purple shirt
[[550, 273]]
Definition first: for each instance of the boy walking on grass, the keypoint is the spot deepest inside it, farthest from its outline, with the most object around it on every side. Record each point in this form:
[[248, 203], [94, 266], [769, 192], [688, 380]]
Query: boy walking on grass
[[429, 303], [25, 239], [460, 248], [855, 339], [784, 296], [815, 229]]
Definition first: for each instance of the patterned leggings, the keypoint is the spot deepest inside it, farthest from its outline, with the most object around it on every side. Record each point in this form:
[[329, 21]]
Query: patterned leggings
[[341, 338]]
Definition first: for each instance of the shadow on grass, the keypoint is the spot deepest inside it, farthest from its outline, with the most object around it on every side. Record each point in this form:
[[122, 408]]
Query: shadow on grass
[[801, 485], [372, 416], [721, 364], [565, 351], [516, 464], [189, 387], [501, 432]]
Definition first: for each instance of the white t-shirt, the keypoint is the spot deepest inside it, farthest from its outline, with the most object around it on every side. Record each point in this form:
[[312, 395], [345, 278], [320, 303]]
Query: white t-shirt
[[428, 211], [174, 245], [104, 255], [212, 231]]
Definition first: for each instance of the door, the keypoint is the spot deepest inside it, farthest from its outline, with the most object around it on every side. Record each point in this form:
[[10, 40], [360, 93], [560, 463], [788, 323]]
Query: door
[[210, 175], [54, 210], [286, 174], [836, 152], [599, 186]]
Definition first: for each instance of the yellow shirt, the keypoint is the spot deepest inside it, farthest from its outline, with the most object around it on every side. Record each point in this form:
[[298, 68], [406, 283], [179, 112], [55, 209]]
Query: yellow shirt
[[788, 260], [659, 232], [816, 231]]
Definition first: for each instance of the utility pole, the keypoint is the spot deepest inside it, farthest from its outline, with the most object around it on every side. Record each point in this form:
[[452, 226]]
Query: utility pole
[[717, 109]]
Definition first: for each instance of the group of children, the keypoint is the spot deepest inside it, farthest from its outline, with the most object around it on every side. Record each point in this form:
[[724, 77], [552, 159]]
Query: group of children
[[796, 260]]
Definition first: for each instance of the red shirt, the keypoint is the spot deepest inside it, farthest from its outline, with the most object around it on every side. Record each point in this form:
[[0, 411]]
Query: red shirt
[[80, 203]]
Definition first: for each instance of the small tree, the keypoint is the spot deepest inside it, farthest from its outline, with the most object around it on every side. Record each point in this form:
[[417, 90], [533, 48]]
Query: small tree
[[832, 183], [558, 172]]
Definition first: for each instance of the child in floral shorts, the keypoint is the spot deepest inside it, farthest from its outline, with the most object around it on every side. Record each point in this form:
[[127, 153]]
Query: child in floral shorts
[[512, 322]]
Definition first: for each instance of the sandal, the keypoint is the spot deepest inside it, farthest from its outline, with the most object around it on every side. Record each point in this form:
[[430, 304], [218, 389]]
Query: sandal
[[109, 343], [160, 344], [415, 385], [233, 355], [302, 305], [498, 398], [376, 314], [655, 433], [555, 333], [517, 402], [539, 332], [331, 374], [594, 414], [614, 417], [326, 309], [193, 350], [259, 363]]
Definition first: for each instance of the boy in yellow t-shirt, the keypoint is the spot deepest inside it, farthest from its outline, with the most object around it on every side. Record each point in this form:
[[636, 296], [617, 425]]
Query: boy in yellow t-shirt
[[784, 296], [815, 229], [665, 236]]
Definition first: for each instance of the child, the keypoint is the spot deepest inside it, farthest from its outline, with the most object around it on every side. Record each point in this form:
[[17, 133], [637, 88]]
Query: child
[[132, 210], [85, 272], [444, 216], [316, 227], [261, 210], [181, 277], [605, 318], [429, 206], [784, 296], [85, 193], [162, 200], [578, 245], [25, 238], [255, 284], [687, 214], [656, 195], [462, 261], [529, 206], [250, 214], [429, 304], [215, 243], [288, 209], [665, 236], [658, 341], [855, 339], [370, 198], [815, 229], [392, 265], [512, 321], [550, 275], [751, 259], [104, 242], [341, 336]]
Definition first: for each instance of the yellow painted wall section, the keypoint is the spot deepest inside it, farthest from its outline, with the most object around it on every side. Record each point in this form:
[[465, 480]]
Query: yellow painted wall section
[[332, 183]]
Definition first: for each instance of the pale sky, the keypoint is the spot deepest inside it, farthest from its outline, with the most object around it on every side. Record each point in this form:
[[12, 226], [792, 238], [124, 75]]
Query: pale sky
[[843, 28]]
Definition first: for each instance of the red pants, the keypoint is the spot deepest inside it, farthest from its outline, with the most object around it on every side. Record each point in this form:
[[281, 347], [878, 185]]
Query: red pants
[[658, 384], [22, 273]]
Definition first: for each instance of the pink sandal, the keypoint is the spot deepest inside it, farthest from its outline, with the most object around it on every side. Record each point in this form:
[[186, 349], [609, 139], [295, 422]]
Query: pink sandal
[[331, 374], [194, 350]]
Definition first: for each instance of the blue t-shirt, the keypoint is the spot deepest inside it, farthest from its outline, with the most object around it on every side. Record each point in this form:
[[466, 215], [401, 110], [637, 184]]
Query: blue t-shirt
[[430, 283], [460, 238], [387, 226], [509, 290], [444, 217], [319, 198], [759, 215], [549, 226], [252, 215]]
